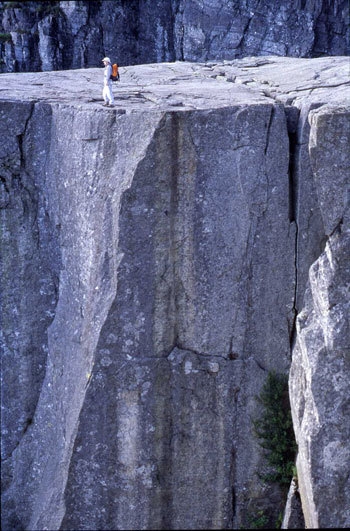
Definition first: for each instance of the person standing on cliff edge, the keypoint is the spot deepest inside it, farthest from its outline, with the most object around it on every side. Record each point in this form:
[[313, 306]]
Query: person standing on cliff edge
[[107, 92]]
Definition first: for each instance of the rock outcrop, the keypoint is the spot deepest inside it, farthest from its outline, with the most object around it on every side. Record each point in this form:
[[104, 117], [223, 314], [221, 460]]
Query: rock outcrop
[[60, 35], [155, 255], [320, 369]]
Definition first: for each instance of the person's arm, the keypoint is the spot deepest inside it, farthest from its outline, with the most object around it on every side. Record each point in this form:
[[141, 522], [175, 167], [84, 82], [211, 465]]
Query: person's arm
[[108, 72]]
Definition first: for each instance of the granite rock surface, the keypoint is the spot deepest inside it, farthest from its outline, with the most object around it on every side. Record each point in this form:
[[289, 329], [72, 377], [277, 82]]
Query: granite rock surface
[[155, 257], [61, 35], [320, 368]]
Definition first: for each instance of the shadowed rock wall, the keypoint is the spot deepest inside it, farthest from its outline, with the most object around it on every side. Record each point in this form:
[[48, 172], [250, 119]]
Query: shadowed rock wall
[[60, 35], [155, 255]]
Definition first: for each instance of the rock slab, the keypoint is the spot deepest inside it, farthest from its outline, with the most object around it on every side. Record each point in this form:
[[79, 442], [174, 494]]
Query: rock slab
[[153, 259]]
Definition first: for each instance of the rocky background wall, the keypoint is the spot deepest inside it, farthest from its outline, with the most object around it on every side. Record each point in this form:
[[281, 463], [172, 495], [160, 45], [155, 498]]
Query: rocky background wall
[[56, 35]]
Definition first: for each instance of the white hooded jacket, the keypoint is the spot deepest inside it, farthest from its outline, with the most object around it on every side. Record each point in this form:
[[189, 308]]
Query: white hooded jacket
[[107, 75]]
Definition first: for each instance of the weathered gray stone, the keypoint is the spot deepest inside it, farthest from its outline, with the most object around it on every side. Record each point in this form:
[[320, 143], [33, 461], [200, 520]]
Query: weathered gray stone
[[87, 284], [28, 282], [184, 280], [320, 368], [293, 517], [77, 34], [329, 130], [160, 235], [329, 83], [319, 383]]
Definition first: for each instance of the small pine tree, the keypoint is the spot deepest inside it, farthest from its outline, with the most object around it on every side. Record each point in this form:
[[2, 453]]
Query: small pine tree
[[274, 429]]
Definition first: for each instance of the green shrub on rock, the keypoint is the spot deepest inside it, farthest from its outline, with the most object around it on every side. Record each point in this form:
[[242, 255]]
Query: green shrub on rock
[[274, 429]]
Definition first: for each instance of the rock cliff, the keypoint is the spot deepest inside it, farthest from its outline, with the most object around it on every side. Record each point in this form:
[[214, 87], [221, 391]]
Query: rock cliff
[[321, 357], [155, 256], [58, 35]]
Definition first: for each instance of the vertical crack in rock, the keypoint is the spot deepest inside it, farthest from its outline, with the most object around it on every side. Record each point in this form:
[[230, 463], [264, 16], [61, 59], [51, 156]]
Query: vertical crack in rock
[[307, 215], [292, 118], [268, 130], [22, 135]]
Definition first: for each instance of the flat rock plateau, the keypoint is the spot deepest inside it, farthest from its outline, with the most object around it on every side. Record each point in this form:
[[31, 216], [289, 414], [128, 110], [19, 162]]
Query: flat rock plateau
[[188, 86]]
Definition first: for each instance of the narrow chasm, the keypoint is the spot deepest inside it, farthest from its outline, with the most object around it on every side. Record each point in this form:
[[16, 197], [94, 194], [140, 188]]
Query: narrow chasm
[[293, 509], [292, 118]]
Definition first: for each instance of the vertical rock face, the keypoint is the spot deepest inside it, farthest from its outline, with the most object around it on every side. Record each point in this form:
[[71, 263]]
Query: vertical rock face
[[29, 283], [193, 230], [211, 30], [154, 256], [86, 286], [74, 34], [320, 369]]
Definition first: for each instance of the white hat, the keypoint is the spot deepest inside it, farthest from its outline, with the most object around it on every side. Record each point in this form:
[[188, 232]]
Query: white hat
[[107, 59]]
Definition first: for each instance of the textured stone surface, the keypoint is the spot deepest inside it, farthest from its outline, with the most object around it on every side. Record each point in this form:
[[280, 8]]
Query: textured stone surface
[[86, 282], [320, 368], [155, 242], [293, 517], [184, 281], [77, 34]]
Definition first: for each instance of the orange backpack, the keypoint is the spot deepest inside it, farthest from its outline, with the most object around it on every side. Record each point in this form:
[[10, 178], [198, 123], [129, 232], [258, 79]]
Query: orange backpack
[[115, 72]]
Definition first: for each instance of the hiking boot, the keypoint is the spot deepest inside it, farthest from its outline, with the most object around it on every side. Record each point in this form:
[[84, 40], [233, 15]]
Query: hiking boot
[[105, 104]]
